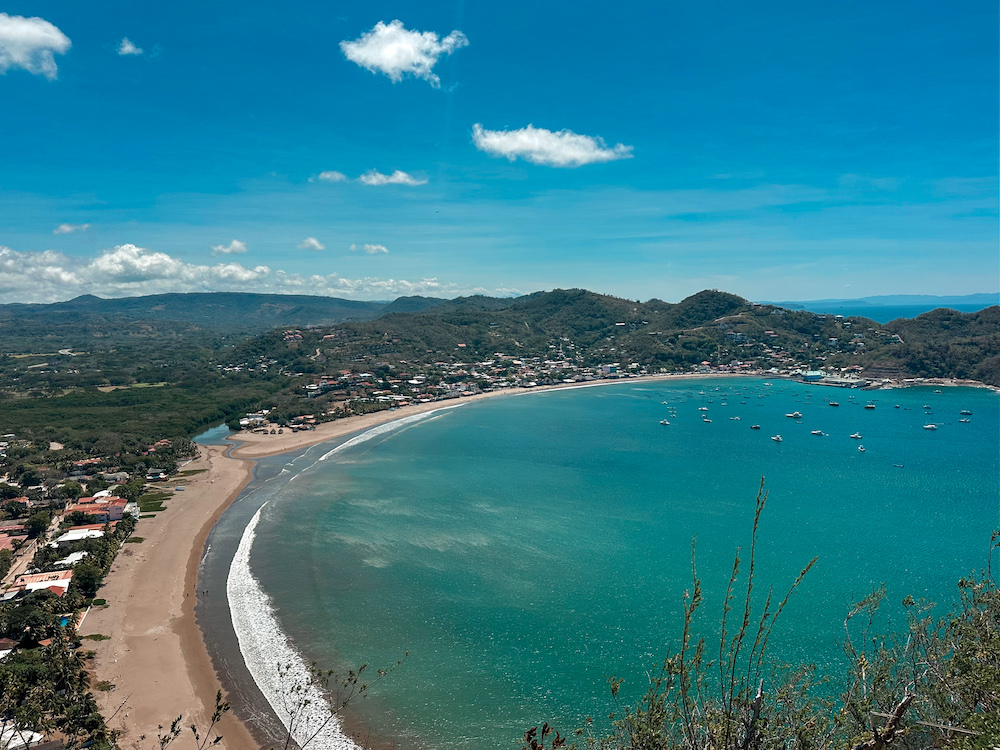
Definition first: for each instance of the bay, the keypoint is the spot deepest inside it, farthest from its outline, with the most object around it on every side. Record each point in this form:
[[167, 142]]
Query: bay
[[524, 549]]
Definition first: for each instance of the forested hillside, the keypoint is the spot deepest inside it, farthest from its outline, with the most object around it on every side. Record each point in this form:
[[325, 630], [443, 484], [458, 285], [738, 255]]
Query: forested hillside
[[76, 370]]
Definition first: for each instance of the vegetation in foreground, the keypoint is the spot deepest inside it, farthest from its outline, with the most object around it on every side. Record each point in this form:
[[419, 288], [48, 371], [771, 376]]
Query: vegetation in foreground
[[936, 685]]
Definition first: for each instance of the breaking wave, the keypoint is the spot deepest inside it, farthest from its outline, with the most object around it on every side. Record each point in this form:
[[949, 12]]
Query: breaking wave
[[265, 646]]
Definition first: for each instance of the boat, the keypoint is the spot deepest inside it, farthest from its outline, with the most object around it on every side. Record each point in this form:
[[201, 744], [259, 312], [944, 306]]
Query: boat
[[964, 419], [927, 406], [702, 408], [737, 419], [706, 419], [776, 438], [966, 412], [795, 415], [755, 427], [938, 390], [861, 449], [856, 436], [816, 432], [663, 421], [897, 466], [834, 403], [896, 406], [869, 406], [930, 426]]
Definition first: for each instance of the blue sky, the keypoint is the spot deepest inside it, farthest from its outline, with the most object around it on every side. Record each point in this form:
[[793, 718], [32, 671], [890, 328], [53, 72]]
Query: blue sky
[[368, 150]]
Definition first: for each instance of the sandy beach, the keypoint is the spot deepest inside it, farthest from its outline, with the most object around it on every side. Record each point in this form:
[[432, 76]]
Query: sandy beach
[[258, 446], [155, 654]]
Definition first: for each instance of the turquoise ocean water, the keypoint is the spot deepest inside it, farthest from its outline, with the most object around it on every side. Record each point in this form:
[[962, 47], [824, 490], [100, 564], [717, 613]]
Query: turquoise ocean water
[[523, 549]]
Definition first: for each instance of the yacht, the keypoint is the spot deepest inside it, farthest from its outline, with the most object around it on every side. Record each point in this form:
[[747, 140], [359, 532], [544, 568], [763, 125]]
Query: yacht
[[663, 421], [964, 419], [856, 436], [966, 412], [834, 403], [795, 415], [776, 438], [930, 426], [755, 427], [817, 432], [702, 408], [869, 406], [861, 449]]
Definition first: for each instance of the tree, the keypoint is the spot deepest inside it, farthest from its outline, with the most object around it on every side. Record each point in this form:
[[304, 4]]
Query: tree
[[87, 578], [71, 491], [15, 508], [37, 523]]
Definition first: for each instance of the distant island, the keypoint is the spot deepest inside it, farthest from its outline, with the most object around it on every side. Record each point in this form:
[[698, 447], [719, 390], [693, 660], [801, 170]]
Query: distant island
[[886, 307]]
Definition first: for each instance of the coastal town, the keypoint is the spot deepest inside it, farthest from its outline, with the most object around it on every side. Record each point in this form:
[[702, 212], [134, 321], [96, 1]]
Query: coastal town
[[102, 531]]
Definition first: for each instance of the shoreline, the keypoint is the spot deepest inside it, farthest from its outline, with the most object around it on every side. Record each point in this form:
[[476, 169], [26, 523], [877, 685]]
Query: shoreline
[[146, 594], [154, 653], [254, 446]]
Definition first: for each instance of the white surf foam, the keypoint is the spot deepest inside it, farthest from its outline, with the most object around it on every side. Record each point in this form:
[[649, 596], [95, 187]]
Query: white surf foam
[[263, 643], [396, 424], [265, 646]]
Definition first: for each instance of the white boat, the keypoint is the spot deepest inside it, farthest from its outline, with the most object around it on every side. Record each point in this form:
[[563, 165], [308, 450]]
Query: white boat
[[861, 449], [966, 412], [856, 436], [706, 419], [964, 419], [755, 427], [930, 426], [776, 438], [817, 432], [663, 421], [834, 403], [737, 419], [795, 415], [869, 406]]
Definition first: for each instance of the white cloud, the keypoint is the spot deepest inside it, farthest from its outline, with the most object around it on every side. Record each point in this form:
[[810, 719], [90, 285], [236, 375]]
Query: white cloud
[[128, 270], [29, 43], [370, 249], [329, 176], [126, 47], [70, 228], [391, 49], [373, 177], [311, 243], [563, 148], [233, 247]]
